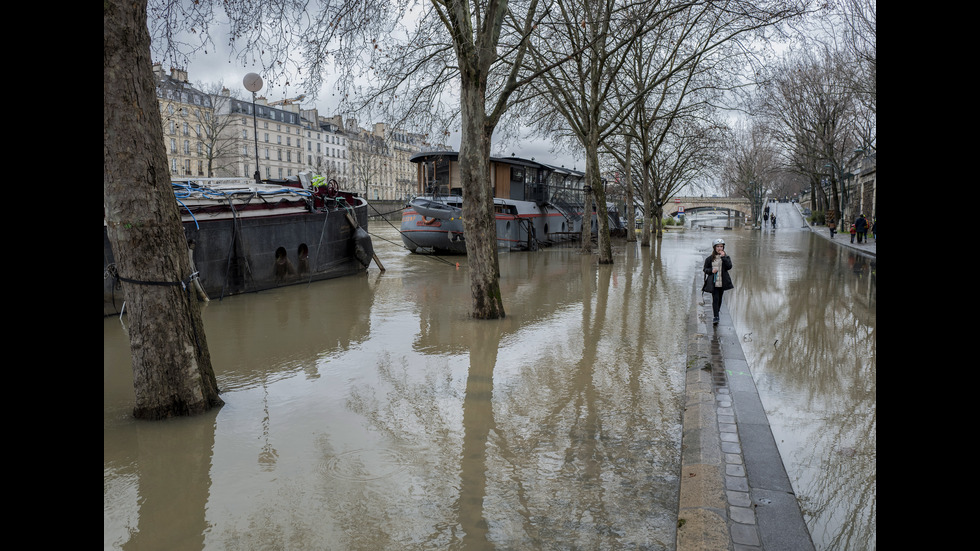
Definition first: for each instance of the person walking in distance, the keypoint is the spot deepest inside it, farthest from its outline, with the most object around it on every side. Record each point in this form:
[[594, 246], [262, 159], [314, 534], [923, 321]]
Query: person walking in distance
[[861, 226], [716, 277]]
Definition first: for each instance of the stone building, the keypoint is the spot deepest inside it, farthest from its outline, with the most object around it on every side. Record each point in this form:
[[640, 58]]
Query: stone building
[[212, 133]]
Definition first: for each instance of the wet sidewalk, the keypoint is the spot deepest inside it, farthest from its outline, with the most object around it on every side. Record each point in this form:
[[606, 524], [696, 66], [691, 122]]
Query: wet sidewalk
[[735, 493], [869, 247]]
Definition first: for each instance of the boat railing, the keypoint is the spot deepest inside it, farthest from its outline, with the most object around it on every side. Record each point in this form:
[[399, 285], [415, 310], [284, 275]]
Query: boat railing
[[561, 200]]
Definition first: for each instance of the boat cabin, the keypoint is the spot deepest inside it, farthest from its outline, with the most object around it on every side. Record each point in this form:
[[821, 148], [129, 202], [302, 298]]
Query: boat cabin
[[513, 178]]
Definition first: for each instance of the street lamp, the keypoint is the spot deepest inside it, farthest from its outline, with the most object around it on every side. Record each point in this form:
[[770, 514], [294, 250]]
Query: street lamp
[[253, 83]]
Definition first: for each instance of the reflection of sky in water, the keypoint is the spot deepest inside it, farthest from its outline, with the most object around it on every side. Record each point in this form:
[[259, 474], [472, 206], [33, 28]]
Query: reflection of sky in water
[[806, 312], [372, 413]]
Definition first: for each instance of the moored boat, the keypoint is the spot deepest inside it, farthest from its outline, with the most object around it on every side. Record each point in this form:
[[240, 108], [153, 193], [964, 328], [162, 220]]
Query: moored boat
[[244, 236], [534, 205]]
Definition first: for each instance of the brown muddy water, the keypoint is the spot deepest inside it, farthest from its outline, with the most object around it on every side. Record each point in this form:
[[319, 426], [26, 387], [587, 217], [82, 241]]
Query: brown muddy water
[[371, 413]]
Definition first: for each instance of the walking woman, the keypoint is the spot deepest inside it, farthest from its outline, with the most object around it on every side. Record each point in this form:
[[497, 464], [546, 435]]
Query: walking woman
[[716, 278]]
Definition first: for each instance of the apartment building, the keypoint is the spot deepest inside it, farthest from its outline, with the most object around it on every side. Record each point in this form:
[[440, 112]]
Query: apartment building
[[186, 113], [211, 133]]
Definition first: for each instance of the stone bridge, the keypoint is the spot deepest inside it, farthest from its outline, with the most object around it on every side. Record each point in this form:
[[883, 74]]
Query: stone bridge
[[689, 205]]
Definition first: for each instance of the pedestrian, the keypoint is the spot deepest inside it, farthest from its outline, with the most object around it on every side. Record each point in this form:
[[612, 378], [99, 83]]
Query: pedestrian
[[861, 226], [832, 226], [853, 232], [716, 278], [765, 216], [774, 220]]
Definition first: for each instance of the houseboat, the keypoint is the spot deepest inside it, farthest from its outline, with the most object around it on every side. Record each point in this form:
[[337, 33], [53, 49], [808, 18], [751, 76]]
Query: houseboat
[[535, 204]]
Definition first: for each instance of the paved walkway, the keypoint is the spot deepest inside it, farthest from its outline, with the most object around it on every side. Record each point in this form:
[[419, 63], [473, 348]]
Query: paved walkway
[[734, 493], [869, 247]]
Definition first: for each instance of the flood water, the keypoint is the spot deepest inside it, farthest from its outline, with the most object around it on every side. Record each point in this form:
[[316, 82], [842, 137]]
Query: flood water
[[370, 412], [807, 316]]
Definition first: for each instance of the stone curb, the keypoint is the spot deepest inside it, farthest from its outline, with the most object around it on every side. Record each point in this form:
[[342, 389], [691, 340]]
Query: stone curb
[[734, 492]]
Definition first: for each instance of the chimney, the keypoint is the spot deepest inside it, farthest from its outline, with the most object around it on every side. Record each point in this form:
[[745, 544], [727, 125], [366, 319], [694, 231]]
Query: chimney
[[180, 75]]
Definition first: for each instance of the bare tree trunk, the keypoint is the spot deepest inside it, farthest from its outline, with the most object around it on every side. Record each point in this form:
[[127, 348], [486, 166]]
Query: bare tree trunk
[[172, 372], [630, 209], [648, 208], [479, 220], [586, 240], [594, 179]]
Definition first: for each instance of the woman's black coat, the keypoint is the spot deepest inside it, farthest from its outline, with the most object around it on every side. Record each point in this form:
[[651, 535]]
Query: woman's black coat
[[726, 280]]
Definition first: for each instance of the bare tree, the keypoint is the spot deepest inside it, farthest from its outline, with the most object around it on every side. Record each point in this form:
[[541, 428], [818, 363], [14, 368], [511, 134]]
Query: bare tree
[[418, 54], [172, 370], [595, 38], [627, 57], [216, 131], [813, 116], [751, 166]]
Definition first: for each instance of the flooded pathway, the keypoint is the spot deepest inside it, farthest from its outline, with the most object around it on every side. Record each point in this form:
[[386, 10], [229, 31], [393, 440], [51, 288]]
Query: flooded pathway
[[372, 413], [805, 311]]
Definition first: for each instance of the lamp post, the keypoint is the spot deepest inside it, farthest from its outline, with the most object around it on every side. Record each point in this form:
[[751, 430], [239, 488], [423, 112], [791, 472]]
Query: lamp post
[[253, 83]]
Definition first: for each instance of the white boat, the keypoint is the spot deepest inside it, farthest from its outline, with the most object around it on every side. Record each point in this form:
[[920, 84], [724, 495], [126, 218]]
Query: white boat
[[534, 204]]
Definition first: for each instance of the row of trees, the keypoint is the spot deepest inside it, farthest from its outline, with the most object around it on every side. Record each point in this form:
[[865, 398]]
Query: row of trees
[[639, 81], [814, 113]]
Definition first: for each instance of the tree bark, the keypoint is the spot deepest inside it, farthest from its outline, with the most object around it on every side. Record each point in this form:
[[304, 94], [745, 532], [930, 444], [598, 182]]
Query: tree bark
[[630, 209], [594, 178], [172, 372], [648, 210], [479, 219]]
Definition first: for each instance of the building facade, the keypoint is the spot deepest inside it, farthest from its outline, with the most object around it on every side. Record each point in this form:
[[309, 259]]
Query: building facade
[[214, 134]]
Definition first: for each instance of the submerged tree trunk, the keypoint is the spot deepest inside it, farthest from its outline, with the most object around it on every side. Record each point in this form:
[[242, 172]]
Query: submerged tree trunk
[[594, 178], [172, 372], [479, 220], [630, 209], [648, 209]]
